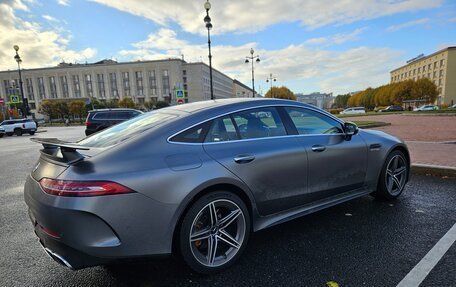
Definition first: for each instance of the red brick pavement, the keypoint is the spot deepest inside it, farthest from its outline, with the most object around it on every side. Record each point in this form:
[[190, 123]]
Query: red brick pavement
[[424, 136]]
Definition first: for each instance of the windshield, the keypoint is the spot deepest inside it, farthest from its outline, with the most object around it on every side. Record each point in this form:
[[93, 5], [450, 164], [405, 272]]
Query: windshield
[[126, 130]]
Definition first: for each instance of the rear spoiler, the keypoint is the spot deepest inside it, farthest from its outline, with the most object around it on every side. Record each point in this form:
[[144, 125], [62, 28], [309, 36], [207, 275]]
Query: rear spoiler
[[60, 152]]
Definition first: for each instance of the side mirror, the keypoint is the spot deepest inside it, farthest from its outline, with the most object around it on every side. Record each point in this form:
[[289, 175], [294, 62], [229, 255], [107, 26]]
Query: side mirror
[[350, 129]]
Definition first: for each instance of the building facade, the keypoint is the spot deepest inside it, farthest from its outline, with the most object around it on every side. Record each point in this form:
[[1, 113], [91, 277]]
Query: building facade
[[242, 91], [439, 67], [321, 100], [108, 80]]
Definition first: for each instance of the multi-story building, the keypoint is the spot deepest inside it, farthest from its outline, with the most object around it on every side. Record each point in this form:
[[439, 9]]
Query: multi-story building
[[242, 91], [321, 100], [439, 67], [107, 80]]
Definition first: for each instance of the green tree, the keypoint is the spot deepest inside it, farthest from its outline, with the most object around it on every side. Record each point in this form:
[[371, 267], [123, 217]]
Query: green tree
[[150, 105], [78, 108], [161, 104], [424, 89], [281, 93], [341, 101], [47, 108], [61, 109], [127, 103]]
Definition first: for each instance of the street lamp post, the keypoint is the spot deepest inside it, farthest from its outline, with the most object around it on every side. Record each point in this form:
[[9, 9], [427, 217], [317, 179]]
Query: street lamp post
[[251, 58], [207, 20], [271, 79], [22, 97]]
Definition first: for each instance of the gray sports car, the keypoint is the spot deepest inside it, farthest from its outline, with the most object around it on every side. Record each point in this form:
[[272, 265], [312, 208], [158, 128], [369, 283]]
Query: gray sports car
[[197, 179]]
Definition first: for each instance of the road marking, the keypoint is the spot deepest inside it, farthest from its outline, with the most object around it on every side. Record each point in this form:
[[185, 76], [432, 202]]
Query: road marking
[[422, 269]]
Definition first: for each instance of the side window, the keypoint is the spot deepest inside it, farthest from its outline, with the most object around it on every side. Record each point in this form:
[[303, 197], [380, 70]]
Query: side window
[[309, 122], [193, 135], [259, 123], [101, 116], [222, 129]]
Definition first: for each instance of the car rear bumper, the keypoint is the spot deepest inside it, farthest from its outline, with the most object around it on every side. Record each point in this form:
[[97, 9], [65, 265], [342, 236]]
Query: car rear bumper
[[83, 232]]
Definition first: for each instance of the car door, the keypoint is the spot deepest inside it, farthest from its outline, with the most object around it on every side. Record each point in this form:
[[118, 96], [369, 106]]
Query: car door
[[335, 165], [255, 147]]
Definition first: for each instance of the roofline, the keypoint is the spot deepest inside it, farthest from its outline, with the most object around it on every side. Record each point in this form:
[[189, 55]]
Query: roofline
[[235, 81], [86, 65], [425, 57]]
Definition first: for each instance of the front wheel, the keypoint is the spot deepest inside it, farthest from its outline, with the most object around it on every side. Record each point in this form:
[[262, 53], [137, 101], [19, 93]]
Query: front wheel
[[18, 132], [214, 232], [393, 176]]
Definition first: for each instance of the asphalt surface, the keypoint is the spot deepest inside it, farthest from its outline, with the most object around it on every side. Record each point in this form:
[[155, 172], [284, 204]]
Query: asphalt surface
[[360, 243]]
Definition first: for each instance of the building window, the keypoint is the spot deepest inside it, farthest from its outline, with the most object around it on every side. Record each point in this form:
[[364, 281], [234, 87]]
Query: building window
[[184, 72], [101, 86], [89, 87], [429, 75], [419, 70], [410, 73], [435, 65], [424, 68], [76, 86], [429, 67], [113, 82], [166, 89], [29, 85], [442, 62], [126, 83], [434, 74], [139, 83], [441, 73], [53, 87], [152, 82], [414, 72], [64, 85], [440, 82], [41, 89]]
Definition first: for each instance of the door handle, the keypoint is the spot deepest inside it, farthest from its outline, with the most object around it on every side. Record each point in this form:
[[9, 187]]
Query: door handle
[[244, 158], [318, 148]]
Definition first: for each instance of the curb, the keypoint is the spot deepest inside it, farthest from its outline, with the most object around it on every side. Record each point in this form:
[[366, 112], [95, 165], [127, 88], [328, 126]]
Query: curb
[[376, 125], [436, 170]]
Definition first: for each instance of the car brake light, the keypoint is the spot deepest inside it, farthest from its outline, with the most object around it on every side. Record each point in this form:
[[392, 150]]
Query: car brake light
[[75, 188], [87, 123]]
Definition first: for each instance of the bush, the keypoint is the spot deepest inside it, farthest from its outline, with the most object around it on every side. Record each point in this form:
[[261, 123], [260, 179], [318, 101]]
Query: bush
[[335, 111]]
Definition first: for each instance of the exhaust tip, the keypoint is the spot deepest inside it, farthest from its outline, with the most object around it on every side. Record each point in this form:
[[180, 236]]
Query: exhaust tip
[[59, 259]]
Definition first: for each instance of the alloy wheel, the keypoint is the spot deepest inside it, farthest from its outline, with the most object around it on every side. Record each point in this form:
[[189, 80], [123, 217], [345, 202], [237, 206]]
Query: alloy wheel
[[217, 233], [396, 175]]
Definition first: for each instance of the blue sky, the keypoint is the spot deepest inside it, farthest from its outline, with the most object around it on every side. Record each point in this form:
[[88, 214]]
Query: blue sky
[[313, 45]]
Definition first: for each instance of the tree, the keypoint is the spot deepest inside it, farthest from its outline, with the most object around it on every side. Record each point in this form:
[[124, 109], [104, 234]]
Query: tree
[[78, 108], [62, 109], [280, 93], [47, 108], [161, 104], [341, 101], [424, 89], [127, 103]]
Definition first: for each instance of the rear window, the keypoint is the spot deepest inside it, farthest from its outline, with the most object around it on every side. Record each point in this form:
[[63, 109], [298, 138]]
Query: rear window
[[126, 130]]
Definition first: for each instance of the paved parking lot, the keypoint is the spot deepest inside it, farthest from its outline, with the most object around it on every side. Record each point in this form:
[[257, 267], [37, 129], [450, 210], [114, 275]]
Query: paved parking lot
[[431, 139], [360, 243]]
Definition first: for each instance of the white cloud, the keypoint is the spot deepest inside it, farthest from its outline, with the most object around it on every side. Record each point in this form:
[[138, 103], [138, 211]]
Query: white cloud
[[331, 71], [251, 16], [336, 39], [398, 27], [49, 18], [39, 47], [63, 2]]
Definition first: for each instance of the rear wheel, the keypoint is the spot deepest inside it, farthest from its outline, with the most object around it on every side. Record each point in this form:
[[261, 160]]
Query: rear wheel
[[214, 232], [393, 176], [1, 135], [31, 133], [18, 132]]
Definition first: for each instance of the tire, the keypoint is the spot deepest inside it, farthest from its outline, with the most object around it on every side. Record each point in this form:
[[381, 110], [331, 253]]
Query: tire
[[1, 135], [31, 133], [393, 177], [228, 233], [18, 132]]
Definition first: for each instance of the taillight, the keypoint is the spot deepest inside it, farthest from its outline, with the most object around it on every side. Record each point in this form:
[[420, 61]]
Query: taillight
[[81, 188], [87, 123]]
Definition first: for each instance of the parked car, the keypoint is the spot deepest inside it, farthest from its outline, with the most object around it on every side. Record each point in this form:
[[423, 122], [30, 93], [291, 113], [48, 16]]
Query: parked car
[[353, 111], [199, 178], [98, 120], [392, 109], [2, 132], [452, 107], [19, 127], [426, 108]]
